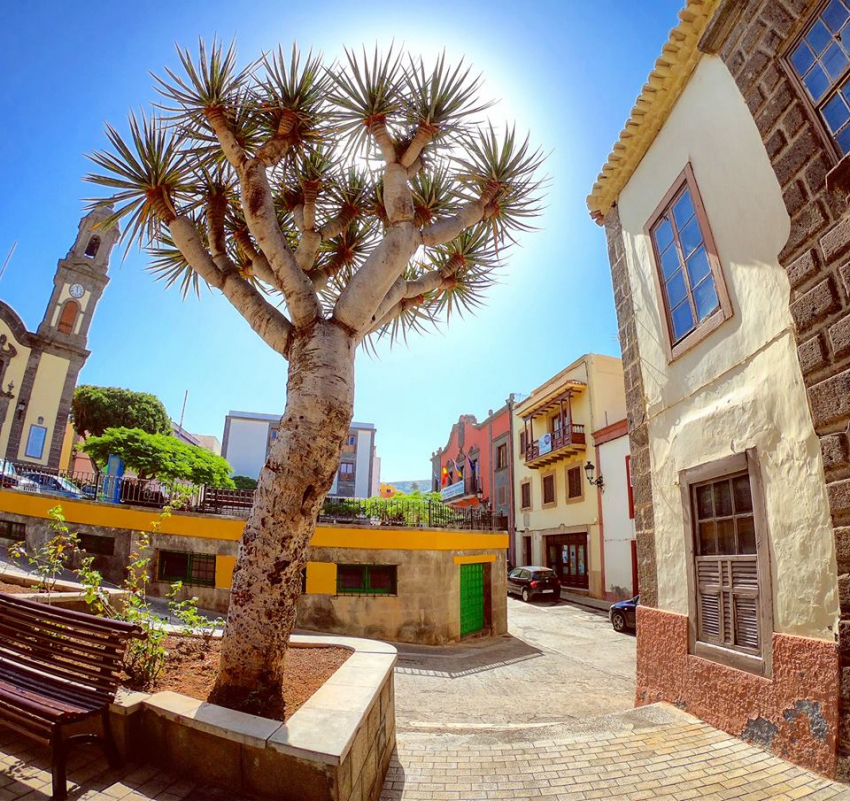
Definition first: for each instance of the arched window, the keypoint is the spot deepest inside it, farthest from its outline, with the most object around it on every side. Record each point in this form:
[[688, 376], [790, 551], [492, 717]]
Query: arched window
[[92, 247], [68, 317]]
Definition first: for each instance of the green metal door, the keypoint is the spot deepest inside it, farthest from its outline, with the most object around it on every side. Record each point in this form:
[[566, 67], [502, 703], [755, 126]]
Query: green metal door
[[471, 599]]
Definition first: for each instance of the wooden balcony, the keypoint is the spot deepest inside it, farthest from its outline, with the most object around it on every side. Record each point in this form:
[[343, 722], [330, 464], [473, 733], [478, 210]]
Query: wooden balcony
[[562, 444]]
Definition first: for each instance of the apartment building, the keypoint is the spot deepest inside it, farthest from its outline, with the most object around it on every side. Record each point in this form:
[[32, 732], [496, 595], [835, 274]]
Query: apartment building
[[571, 505], [248, 436], [725, 204]]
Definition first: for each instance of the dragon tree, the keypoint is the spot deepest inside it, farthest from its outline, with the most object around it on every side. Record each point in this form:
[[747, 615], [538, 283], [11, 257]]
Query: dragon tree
[[333, 206]]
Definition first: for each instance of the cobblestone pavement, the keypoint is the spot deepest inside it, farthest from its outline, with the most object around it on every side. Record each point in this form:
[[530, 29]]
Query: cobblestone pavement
[[656, 752], [547, 713], [25, 776]]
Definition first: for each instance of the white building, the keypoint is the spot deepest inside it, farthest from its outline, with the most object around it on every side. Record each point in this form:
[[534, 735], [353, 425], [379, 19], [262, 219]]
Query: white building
[[249, 435]]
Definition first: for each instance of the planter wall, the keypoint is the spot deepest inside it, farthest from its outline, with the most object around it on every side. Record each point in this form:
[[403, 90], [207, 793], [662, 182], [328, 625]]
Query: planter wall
[[336, 747]]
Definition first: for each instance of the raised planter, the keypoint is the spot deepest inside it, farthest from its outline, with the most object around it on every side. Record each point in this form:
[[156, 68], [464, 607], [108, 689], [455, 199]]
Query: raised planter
[[335, 747], [66, 594]]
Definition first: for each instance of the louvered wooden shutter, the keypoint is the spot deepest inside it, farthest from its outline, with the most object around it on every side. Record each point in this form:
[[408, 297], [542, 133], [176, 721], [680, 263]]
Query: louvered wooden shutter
[[728, 601]]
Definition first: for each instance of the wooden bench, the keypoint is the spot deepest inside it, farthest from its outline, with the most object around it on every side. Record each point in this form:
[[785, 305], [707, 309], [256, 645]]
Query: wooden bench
[[59, 667]]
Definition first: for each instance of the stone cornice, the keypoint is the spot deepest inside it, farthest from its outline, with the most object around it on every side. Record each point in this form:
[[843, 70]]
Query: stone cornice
[[679, 57]]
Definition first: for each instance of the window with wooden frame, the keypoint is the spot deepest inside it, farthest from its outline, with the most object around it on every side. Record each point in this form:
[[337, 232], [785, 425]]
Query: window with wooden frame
[[525, 494], [68, 317], [729, 577], [548, 490], [366, 579], [820, 61], [346, 471], [575, 487], [522, 443], [501, 456], [694, 299]]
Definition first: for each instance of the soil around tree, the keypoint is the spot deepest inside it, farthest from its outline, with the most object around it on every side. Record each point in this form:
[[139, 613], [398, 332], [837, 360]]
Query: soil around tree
[[192, 666], [20, 589]]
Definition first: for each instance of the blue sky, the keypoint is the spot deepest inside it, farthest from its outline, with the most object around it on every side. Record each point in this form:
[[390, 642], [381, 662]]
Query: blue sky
[[568, 71]]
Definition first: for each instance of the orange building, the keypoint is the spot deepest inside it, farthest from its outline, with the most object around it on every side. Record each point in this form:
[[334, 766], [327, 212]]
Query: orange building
[[474, 467]]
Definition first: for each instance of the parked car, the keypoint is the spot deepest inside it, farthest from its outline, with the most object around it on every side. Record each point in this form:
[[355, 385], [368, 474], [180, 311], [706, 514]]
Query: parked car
[[55, 485], [11, 479], [622, 614], [530, 581]]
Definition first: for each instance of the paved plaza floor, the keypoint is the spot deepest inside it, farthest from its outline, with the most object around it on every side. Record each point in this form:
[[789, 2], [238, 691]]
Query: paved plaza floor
[[544, 713]]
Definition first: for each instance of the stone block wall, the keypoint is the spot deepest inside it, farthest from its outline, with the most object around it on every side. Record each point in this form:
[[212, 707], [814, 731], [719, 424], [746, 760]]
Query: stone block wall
[[636, 412], [750, 37]]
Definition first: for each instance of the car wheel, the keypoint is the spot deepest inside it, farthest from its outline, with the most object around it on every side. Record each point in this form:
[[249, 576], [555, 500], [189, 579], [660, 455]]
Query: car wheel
[[618, 621], [525, 595]]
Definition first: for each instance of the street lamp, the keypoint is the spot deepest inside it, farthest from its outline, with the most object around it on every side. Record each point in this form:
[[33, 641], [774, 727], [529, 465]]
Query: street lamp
[[594, 482]]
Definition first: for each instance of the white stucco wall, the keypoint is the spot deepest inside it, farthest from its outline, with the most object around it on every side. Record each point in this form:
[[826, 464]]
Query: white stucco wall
[[246, 446], [741, 386], [618, 527], [363, 463]]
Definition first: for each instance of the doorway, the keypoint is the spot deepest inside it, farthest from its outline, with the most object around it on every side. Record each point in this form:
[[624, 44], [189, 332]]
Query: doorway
[[526, 551], [566, 554], [472, 613]]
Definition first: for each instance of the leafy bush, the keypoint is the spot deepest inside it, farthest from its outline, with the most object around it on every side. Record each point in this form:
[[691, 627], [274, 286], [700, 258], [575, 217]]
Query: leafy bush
[[160, 456], [50, 559]]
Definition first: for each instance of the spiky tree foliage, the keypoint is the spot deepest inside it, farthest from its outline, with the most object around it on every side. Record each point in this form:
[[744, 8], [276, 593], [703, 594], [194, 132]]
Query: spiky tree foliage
[[333, 205]]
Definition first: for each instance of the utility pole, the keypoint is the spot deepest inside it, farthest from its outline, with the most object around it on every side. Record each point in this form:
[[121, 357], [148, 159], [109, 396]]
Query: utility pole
[[183, 411]]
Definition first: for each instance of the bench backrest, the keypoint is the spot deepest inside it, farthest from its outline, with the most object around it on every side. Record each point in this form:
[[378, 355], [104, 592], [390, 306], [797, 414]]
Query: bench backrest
[[76, 647]]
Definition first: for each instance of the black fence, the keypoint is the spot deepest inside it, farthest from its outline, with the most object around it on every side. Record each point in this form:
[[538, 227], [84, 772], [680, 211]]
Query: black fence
[[401, 512]]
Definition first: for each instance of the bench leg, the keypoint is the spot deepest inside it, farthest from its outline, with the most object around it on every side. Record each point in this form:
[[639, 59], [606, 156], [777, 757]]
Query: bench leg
[[60, 784]]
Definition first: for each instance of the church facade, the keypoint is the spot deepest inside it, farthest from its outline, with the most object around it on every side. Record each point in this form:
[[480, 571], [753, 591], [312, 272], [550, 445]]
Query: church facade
[[38, 371]]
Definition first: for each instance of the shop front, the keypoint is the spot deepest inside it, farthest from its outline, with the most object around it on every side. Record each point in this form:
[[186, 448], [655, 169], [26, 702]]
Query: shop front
[[566, 554]]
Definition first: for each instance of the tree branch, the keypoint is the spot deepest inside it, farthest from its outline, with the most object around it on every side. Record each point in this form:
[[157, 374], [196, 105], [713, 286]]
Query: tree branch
[[380, 133], [361, 297], [267, 321], [446, 230], [405, 290], [260, 215]]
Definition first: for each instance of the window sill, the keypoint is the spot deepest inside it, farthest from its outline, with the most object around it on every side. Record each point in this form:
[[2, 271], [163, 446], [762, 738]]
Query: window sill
[[737, 660], [708, 327], [838, 178]]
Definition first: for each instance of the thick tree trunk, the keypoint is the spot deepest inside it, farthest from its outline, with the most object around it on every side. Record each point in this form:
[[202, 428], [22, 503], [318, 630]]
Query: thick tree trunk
[[298, 474]]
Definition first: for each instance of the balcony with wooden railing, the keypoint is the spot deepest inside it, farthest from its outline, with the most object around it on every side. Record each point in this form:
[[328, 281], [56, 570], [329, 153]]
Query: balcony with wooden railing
[[560, 444]]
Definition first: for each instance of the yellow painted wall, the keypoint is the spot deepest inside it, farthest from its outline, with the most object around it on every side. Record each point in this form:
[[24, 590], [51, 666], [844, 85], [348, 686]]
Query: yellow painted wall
[[740, 387], [67, 453], [321, 578], [227, 528], [44, 402], [15, 373], [224, 571]]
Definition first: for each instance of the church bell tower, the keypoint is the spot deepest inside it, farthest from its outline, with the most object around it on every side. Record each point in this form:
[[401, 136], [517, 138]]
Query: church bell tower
[[79, 282]]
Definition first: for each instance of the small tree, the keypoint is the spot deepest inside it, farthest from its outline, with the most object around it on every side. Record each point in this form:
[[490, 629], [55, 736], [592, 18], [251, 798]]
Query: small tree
[[94, 409], [245, 482], [368, 197], [159, 456]]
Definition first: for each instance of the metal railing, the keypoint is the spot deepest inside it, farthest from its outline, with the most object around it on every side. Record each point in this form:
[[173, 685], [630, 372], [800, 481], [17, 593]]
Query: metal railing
[[401, 512], [571, 434]]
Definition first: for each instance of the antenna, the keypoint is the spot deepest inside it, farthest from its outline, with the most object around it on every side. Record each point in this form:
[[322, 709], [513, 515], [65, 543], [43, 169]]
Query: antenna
[[8, 259]]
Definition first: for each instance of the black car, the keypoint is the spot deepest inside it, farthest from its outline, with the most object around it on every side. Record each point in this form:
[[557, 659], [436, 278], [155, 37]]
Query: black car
[[532, 581], [622, 614]]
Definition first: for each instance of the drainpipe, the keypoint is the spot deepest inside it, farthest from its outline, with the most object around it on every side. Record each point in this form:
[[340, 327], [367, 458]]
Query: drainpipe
[[511, 483]]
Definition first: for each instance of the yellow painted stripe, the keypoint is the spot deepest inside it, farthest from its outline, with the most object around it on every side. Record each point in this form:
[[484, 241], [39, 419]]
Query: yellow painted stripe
[[321, 578], [475, 560], [222, 528]]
